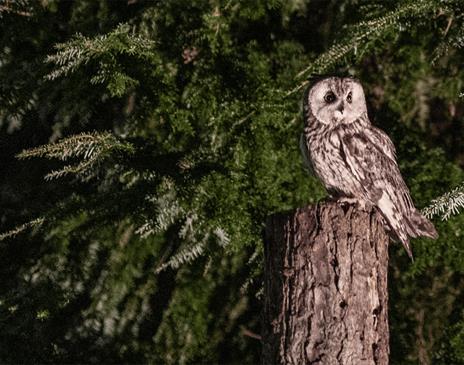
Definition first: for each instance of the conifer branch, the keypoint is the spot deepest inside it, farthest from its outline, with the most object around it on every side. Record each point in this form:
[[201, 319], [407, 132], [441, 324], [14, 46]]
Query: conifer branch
[[104, 52], [446, 205], [222, 237], [167, 211], [92, 148], [185, 256], [17, 230], [81, 50], [453, 40], [363, 32], [197, 237], [17, 7]]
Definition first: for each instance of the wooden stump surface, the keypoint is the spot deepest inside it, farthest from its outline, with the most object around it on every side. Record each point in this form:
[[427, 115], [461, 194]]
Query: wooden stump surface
[[325, 287]]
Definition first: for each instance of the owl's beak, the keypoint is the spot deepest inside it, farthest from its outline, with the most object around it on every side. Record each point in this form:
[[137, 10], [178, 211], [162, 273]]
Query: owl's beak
[[338, 115]]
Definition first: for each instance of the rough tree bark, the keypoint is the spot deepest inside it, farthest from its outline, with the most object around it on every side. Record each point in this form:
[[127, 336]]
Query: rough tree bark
[[325, 287]]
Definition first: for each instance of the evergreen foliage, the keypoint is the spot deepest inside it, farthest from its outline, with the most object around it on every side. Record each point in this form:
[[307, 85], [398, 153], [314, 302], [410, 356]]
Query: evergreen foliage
[[168, 131], [447, 204]]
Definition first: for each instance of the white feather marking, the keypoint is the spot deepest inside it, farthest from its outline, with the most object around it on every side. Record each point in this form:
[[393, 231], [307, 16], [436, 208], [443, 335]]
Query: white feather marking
[[387, 207], [334, 139]]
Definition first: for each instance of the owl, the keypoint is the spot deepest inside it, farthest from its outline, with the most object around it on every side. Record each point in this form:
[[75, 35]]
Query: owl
[[355, 160]]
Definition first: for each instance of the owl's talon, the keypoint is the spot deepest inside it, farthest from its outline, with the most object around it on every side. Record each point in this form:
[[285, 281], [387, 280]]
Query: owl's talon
[[362, 204]]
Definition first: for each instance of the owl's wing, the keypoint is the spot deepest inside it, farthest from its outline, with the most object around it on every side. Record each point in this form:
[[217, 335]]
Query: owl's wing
[[380, 139], [370, 157], [306, 155]]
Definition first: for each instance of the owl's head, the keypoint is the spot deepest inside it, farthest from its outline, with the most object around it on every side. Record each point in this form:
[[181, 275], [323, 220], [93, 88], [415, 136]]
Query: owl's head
[[335, 100]]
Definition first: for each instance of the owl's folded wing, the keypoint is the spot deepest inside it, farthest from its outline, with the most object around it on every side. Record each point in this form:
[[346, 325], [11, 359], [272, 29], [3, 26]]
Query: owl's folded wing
[[306, 155], [377, 172], [375, 168], [370, 157]]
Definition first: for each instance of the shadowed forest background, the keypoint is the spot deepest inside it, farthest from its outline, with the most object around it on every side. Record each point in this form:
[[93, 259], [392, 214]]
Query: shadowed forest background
[[143, 144]]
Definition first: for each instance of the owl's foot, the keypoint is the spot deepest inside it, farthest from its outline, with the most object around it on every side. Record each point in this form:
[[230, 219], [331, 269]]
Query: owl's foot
[[362, 204]]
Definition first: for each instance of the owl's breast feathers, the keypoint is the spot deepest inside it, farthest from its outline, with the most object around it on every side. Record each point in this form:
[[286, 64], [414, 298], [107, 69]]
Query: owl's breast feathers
[[358, 160]]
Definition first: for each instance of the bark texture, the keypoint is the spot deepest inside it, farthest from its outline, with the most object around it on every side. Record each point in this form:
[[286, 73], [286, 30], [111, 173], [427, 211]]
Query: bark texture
[[325, 287]]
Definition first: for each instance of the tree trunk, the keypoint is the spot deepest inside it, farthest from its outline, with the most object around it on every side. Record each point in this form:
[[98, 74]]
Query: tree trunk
[[325, 287]]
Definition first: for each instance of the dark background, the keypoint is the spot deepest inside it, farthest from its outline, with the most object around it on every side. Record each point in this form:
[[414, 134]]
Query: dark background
[[175, 127]]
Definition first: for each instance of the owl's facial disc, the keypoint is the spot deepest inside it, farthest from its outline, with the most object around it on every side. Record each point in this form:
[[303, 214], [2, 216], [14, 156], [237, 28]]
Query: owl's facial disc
[[337, 100]]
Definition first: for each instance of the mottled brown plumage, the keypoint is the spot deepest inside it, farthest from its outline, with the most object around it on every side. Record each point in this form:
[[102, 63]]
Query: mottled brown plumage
[[355, 160]]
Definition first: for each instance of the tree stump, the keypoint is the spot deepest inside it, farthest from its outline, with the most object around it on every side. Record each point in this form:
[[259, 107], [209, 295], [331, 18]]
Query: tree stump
[[325, 287]]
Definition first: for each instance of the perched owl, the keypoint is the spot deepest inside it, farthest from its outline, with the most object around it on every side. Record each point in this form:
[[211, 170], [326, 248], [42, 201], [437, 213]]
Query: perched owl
[[355, 160]]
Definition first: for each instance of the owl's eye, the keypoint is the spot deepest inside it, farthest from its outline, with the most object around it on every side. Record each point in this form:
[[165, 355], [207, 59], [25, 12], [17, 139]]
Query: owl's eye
[[329, 97], [349, 98]]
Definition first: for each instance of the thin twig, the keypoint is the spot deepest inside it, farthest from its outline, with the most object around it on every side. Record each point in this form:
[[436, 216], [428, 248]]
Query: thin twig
[[247, 332], [450, 20]]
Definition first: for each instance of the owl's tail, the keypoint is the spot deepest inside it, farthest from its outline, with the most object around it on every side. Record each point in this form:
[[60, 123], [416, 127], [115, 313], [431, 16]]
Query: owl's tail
[[405, 222], [421, 226], [416, 225]]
